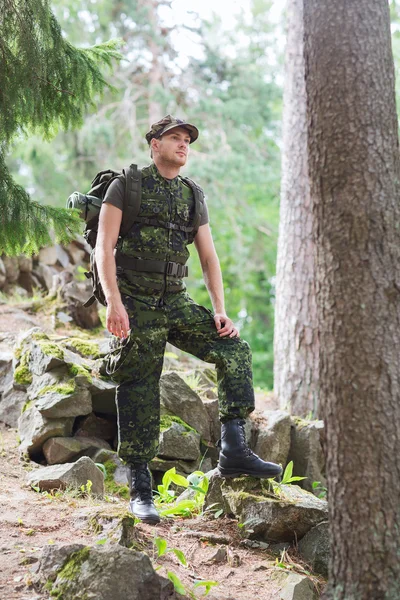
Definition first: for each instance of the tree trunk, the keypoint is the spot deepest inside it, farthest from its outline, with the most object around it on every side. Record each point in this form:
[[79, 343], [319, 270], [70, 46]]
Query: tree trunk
[[354, 183], [296, 330]]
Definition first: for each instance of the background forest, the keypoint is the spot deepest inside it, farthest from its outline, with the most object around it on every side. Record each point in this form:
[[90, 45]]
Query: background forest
[[224, 73]]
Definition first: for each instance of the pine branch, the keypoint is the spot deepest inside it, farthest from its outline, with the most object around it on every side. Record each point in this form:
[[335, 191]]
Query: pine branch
[[25, 225]]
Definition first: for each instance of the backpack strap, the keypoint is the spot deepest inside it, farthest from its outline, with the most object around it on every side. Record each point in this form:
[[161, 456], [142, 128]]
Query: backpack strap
[[132, 198], [198, 205]]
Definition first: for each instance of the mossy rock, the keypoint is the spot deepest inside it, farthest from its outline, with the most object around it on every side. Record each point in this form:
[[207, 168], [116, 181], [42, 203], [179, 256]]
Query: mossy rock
[[22, 374], [85, 348], [167, 420]]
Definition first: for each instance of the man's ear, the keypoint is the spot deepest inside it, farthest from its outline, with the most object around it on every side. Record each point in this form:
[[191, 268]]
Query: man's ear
[[153, 146]]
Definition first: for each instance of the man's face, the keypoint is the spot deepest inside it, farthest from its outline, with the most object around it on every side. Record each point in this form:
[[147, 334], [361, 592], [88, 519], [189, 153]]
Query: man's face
[[173, 146]]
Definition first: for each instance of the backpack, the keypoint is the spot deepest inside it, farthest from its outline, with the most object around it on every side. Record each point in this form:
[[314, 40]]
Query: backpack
[[89, 205]]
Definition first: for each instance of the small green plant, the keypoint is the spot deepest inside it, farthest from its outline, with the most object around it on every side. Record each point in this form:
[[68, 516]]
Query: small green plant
[[86, 488], [319, 490], [193, 381], [196, 481], [162, 548], [287, 479]]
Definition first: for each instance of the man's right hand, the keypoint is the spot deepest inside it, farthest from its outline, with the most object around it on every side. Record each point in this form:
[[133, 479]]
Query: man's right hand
[[117, 320]]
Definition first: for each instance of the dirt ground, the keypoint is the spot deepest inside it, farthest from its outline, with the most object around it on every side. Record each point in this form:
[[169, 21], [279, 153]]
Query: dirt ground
[[30, 520]]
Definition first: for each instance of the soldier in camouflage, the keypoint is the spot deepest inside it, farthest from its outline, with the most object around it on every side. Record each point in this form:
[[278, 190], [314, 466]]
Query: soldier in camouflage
[[147, 309]]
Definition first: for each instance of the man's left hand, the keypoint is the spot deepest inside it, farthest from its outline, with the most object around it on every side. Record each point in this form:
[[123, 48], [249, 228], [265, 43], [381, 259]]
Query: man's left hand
[[225, 326]]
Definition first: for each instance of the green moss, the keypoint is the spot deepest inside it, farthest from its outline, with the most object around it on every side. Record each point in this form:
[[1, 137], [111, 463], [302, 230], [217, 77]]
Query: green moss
[[112, 488], [18, 352], [85, 347], [78, 370], [51, 349], [60, 388], [26, 406], [67, 574], [22, 374], [40, 335], [167, 420], [246, 496]]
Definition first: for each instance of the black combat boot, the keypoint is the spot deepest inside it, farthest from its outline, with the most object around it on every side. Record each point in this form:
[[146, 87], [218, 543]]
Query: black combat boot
[[237, 459], [141, 504]]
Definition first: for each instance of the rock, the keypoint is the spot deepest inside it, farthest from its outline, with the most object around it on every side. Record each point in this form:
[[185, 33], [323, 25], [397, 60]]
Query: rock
[[35, 429], [179, 442], [11, 267], [54, 404], [314, 548], [182, 467], [306, 452], [48, 255], [62, 256], [212, 409], [75, 294], [298, 587], [25, 264], [27, 281], [124, 573], [103, 396], [3, 277], [77, 255], [50, 379], [6, 366], [45, 356], [69, 475], [12, 289], [273, 440], [177, 398], [11, 404], [94, 426], [64, 449], [277, 519], [45, 274]]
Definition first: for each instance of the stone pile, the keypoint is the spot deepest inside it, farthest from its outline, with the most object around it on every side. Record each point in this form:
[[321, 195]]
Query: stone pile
[[57, 273], [22, 274], [56, 391]]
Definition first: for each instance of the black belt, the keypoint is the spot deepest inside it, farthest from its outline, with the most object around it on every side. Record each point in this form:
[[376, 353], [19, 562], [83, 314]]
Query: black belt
[[152, 266]]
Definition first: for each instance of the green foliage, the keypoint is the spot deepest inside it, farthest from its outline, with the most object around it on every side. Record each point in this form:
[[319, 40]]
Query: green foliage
[[46, 84], [321, 491], [287, 475], [196, 481]]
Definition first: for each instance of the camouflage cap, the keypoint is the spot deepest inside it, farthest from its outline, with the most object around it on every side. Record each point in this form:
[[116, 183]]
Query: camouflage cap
[[166, 124]]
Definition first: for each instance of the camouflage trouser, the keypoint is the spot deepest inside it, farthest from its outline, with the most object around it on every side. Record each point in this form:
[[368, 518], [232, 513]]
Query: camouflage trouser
[[135, 364]]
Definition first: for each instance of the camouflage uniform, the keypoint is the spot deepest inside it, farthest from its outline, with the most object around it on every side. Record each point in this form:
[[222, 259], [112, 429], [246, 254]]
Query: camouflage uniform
[[160, 310]]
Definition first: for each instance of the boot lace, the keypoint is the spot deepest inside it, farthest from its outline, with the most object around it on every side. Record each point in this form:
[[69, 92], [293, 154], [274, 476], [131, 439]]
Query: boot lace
[[141, 482], [242, 433]]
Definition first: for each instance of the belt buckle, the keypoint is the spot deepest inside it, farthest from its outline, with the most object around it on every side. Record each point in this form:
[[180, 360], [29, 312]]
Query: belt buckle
[[172, 269]]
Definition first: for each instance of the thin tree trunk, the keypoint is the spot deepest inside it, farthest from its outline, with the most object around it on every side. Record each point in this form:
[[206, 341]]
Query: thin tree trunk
[[296, 330], [354, 182]]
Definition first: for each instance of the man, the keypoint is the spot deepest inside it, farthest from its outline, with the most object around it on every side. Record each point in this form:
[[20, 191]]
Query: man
[[146, 308]]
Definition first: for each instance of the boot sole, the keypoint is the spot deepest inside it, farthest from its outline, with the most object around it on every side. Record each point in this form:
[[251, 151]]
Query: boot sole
[[229, 474]]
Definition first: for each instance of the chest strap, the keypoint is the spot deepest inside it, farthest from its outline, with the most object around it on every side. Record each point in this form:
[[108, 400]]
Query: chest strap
[[151, 266], [157, 223]]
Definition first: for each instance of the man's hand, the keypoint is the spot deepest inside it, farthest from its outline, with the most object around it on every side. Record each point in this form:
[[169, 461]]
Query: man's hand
[[225, 325], [117, 320]]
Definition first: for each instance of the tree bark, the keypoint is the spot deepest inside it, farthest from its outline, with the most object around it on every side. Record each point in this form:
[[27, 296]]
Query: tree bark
[[296, 330], [354, 182]]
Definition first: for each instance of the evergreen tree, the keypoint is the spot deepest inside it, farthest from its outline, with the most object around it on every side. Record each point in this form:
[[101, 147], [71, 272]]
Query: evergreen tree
[[45, 84]]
